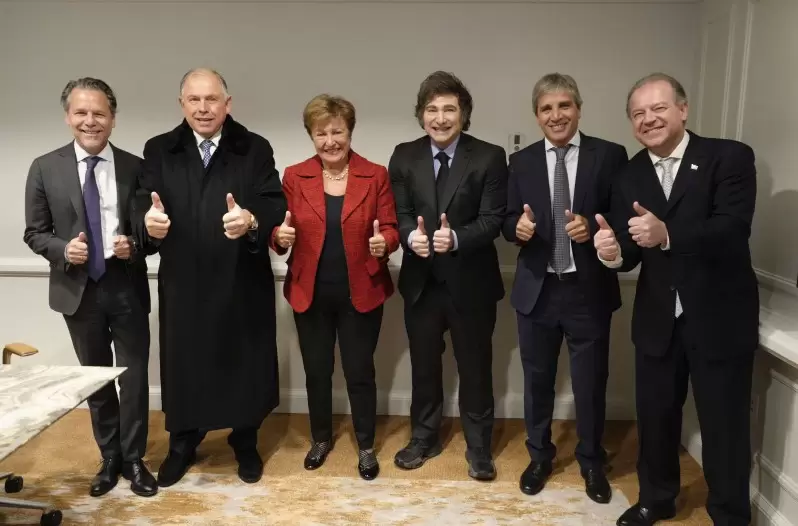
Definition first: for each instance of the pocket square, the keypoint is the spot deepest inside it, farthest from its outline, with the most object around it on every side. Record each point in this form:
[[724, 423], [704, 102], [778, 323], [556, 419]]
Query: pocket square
[[694, 167]]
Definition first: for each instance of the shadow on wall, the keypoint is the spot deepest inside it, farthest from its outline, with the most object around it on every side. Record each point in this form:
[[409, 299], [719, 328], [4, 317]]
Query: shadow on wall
[[773, 232]]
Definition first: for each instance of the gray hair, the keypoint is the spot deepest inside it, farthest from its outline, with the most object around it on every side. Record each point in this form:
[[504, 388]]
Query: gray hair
[[554, 82], [678, 89], [208, 71], [88, 83]]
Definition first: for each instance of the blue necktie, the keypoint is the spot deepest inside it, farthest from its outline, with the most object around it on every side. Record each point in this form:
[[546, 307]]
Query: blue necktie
[[91, 201]]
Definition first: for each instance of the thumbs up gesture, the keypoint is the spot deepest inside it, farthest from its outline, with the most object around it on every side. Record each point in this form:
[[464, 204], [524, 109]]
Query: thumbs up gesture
[[77, 250], [419, 239], [577, 227], [442, 239], [377, 244], [155, 220], [286, 234], [236, 221], [646, 229], [525, 228], [604, 240]]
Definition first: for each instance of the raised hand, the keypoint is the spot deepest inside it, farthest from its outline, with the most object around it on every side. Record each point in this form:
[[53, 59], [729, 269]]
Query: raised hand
[[155, 220]]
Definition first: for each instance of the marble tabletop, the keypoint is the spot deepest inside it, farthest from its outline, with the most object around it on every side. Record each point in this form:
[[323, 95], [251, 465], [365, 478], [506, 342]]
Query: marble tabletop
[[34, 397]]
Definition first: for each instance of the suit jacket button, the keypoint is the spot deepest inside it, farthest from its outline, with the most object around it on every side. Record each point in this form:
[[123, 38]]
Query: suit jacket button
[[672, 287]]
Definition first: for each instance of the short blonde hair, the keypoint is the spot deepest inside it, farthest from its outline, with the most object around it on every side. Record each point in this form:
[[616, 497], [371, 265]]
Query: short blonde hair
[[324, 107]]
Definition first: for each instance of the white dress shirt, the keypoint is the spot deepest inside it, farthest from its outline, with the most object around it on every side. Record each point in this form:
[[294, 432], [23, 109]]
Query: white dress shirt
[[571, 163], [105, 174], [678, 154], [215, 140]]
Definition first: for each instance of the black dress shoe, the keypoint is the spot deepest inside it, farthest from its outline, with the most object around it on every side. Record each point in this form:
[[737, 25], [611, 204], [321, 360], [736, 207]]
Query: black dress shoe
[[174, 466], [639, 515], [250, 465], [480, 464], [415, 453], [534, 477], [597, 486], [142, 483], [367, 465], [107, 477], [317, 454]]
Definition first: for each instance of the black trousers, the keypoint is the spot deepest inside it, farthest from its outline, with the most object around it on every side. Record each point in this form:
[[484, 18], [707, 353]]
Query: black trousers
[[471, 329], [111, 312], [332, 314], [240, 439], [722, 392], [562, 309]]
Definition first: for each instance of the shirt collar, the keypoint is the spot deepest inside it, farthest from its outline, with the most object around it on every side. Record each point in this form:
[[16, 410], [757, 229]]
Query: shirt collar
[[449, 149], [106, 154], [576, 140], [215, 139], [677, 153]]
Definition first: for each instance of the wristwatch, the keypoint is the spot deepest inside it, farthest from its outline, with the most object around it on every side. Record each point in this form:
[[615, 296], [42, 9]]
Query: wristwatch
[[253, 222]]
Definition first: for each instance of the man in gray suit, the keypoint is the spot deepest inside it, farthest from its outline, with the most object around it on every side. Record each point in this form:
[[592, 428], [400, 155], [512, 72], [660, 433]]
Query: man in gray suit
[[78, 202]]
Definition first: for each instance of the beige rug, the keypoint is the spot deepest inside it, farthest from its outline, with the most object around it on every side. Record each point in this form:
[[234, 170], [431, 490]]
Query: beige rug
[[59, 464], [223, 500]]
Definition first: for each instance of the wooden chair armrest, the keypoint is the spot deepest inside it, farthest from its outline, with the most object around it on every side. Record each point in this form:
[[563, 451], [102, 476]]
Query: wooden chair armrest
[[19, 349]]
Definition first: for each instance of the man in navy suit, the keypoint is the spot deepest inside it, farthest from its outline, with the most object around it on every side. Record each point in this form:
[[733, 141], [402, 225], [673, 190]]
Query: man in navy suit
[[556, 187], [682, 209]]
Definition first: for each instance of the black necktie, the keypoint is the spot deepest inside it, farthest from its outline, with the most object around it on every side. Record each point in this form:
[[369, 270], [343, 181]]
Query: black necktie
[[443, 175]]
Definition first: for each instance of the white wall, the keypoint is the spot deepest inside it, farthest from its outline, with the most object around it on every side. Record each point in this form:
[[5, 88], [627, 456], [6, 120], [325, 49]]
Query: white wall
[[747, 78], [276, 56]]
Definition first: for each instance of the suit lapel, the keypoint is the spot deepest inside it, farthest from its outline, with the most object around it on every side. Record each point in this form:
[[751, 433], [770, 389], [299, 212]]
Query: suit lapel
[[71, 179], [124, 173], [650, 187], [425, 174], [356, 190], [312, 188], [584, 173], [459, 168], [692, 157], [538, 181]]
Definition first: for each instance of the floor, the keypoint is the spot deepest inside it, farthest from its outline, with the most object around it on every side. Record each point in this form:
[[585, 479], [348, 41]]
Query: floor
[[59, 463]]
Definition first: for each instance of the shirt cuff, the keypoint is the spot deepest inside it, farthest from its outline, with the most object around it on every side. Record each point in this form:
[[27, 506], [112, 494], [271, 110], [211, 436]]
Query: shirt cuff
[[617, 262], [667, 245], [454, 241]]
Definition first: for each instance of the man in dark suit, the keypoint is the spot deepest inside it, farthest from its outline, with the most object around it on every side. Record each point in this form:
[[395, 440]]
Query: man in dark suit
[[210, 197], [556, 187], [683, 209], [451, 192], [77, 215]]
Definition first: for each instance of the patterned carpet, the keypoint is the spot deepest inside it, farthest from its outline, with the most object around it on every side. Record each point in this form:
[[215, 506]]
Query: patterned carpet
[[59, 464]]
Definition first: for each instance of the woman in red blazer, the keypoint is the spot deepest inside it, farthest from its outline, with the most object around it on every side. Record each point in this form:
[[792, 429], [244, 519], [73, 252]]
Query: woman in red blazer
[[341, 227]]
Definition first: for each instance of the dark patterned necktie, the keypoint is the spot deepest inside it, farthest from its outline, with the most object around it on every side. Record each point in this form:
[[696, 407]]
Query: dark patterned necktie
[[206, 151], [91, 201], [561, 255]]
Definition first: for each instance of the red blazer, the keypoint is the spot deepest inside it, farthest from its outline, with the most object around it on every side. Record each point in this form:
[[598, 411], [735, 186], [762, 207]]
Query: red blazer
[[368, 197]]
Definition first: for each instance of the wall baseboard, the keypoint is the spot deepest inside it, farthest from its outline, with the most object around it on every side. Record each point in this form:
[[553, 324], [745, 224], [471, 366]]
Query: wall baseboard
[[398, 403], [768, 511], [39, 267], [691, 440]]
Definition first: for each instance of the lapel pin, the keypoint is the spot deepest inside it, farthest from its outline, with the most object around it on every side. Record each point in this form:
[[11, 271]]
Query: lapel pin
[[694, 167]]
